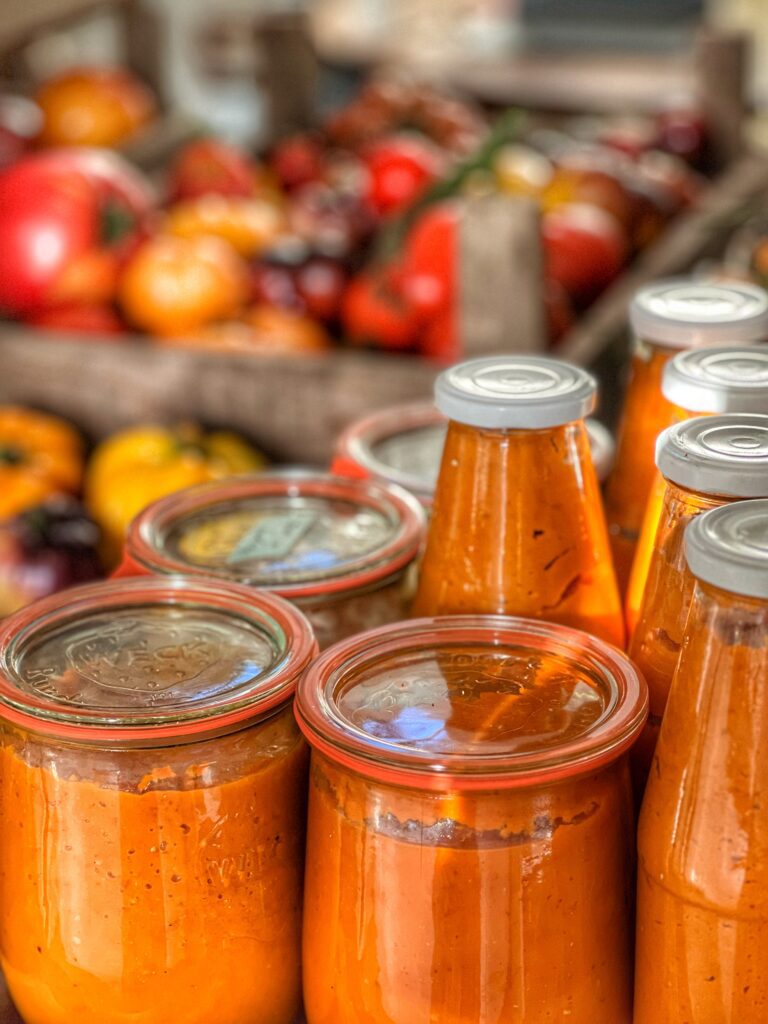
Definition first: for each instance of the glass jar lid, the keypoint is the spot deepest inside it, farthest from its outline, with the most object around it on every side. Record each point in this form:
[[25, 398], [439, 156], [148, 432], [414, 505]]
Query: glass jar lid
[[718, 380], [472, 702], [404, 445], [725, 455], [728, 547], [689, 314], [515, 393], [297, 533], [150, 660]]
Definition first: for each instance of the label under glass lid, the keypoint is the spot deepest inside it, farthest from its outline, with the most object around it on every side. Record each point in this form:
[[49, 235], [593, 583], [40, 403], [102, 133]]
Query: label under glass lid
[[292, 532], [478, 697], [151, 657]]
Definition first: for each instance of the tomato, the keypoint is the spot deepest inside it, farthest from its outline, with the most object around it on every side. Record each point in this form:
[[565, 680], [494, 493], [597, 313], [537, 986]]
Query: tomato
[[93, 107], [264, 331], [249, 225], [441, 338], [430, 259], [584, 249], [298, 160], [68, 219], [330, 220], [208, 166], [683, 131], [174, 285], [320, 283], [375, 312], [558, 308], [87, 320], [401, 169]]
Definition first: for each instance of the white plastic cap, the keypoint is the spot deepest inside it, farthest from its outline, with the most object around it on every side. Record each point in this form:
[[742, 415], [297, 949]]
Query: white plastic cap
[[515, 393], [718, 380], [602, 446], [725, 455], [728, 547], [692, 314]]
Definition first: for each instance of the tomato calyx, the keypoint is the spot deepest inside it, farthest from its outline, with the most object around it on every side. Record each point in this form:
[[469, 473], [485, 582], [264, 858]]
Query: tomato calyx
[[116, 222], [10, 455]]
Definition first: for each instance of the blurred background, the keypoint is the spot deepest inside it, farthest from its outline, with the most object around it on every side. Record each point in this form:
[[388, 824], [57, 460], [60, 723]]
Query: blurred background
[[272, 217]]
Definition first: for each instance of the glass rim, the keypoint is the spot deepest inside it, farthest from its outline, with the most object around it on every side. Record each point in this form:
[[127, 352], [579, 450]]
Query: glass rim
[[356, 442], [386, 762], [143, 547], [267, 612]]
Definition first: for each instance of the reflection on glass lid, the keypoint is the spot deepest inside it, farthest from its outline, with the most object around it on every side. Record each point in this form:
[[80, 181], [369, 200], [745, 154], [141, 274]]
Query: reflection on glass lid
[[149, 652]]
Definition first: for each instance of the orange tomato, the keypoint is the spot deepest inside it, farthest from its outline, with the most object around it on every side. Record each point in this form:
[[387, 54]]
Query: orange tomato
[[249, 225], [93, 107], [266, 330], [40, 455], [178, 285]]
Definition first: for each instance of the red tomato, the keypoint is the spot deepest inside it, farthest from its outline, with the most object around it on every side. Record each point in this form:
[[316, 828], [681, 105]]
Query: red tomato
[[320, 283], [87, 320], [401, 169], [558, 309], [430, 259], [68, 219], [209, 166], [374, 312], [441, 339], [298, 160], [584, 249]]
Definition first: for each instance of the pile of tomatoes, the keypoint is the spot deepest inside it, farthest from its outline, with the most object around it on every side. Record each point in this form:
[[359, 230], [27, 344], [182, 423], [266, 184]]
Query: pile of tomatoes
[[350, 232]]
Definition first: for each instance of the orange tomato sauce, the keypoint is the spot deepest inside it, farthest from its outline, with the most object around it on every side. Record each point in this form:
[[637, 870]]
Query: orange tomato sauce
[[485, 907], [646, 413], [145, 895], [703, 838], [518, 529], [657, 640]]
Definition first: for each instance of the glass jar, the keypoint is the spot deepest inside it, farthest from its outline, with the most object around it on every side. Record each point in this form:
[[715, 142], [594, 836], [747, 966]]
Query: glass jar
[[343, 551], [697, 383], [470, 838], [404, 444], [703, 880], [705, 462], [517, 526], [152, 802], [666, 317]]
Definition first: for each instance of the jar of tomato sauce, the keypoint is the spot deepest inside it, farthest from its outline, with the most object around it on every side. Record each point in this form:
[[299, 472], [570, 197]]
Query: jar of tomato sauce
[[404, 445], [703, 382], [344, 551], [470, 840], [152, 801], [517, 525], [703, 880], [705, 462], [667, 317]]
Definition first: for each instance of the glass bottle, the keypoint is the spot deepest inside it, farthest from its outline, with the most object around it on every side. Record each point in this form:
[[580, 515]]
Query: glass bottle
[[696, 383], [517, 525], [667, 317], [703, 839], [471, 835], [705, 462]]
